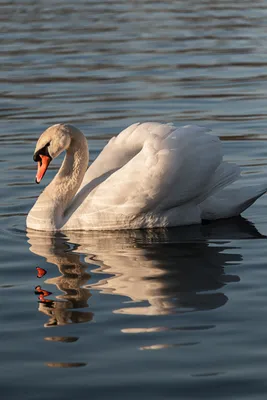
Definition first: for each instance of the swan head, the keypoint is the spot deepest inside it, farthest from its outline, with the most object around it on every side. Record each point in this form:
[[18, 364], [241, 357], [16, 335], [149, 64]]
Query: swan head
[[52, 142]]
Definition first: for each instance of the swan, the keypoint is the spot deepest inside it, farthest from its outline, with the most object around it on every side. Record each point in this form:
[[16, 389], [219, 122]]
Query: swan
[[151, 175]]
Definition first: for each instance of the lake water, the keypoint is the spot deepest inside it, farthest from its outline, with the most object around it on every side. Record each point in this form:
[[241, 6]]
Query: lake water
[[180, 313]]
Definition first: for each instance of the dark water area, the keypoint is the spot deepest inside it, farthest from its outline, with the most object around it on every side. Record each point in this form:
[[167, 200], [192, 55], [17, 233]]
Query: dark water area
[[163, 314]]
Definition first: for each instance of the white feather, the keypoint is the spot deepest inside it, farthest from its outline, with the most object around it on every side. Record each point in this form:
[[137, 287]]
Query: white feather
[[151, 175]]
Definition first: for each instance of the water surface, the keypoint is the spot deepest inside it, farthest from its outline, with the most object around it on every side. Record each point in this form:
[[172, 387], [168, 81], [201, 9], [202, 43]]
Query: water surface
[[162, 314]]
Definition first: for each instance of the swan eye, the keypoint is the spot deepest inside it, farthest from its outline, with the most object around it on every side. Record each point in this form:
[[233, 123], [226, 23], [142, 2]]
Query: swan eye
[[43, 151]]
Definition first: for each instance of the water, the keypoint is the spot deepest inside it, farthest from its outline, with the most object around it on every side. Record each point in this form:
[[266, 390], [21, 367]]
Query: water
[[157, 315]]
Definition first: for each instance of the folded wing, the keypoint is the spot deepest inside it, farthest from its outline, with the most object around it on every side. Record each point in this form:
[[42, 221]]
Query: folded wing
[[173, 166]]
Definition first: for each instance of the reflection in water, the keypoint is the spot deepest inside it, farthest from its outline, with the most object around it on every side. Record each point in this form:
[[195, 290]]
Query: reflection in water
[[40, 291], [41, 272], [63, 339], [167, 346], [73, 276], [65, 365], [168, 271]]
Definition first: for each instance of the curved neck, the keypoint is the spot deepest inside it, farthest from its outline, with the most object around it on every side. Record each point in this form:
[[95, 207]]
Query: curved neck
[[70, 175], [57, 196]]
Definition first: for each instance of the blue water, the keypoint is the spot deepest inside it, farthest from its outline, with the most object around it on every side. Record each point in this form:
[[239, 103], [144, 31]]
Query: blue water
[[164, 314]]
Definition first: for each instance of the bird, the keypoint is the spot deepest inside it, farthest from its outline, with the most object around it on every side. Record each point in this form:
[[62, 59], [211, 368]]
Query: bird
[[151, 175]]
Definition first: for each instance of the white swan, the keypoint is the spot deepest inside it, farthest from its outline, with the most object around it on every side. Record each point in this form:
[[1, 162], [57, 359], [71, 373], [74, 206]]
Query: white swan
[[150, 175]]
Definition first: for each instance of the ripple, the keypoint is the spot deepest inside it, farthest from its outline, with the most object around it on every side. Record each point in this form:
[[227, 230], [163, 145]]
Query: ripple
[[63, 339], [167, 346], [65, 364]]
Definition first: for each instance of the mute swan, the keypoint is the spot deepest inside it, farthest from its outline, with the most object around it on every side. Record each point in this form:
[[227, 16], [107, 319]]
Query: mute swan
[[150, 175]]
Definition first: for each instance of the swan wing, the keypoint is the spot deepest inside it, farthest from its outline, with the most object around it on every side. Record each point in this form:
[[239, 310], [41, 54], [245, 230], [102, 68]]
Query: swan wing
[[174, 166], [122, 148], [116, 154]]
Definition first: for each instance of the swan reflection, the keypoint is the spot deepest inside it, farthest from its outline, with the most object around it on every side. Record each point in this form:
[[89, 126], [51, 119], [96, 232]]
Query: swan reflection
[[72, 278], [159, 271]]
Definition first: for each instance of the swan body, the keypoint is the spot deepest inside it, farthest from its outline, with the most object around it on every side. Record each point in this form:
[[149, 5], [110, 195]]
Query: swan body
[[151, 175]]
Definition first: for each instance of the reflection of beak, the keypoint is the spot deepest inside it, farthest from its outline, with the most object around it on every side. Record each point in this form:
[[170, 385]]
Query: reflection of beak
[[40, 272], [41, 291], [42, 167]]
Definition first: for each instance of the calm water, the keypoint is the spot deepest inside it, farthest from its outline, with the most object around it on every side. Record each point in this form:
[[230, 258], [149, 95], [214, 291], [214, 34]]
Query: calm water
[[133, 315]]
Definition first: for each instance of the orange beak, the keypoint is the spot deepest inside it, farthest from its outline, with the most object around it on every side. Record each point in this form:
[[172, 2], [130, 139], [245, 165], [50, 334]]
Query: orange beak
[[42, 167]]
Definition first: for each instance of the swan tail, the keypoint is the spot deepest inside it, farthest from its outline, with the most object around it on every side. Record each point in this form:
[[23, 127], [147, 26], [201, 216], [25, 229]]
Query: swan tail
[[230, 202], [225, 174]]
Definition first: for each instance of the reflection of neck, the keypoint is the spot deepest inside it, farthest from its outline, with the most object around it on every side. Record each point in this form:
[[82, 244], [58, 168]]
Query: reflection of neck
[[72, 280], [49, 209]]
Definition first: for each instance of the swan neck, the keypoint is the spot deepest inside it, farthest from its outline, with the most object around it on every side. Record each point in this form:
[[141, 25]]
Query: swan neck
[[58, 195], [70, 175]]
